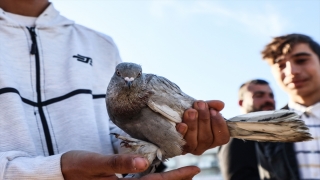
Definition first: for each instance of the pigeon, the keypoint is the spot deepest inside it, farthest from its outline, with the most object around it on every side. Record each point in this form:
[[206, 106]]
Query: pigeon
[[147, 107]]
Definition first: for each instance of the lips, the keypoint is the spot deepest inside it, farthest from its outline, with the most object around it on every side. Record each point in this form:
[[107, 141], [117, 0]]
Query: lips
[[269, 107], [266, 108], [297, 83]]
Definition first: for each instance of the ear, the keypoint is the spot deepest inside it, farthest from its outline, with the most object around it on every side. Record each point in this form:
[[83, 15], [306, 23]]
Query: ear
[[240, 102]]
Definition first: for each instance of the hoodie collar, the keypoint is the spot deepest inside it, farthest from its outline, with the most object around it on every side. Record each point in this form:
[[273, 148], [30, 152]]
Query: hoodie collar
[[49, 18]]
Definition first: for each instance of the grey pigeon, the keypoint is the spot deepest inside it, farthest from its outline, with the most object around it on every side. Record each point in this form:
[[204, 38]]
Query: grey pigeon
[[147, 107]]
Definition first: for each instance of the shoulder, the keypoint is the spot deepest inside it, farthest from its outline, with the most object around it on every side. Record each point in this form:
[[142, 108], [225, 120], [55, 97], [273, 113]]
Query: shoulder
[[102, 45], [285, 107], [91, 33]]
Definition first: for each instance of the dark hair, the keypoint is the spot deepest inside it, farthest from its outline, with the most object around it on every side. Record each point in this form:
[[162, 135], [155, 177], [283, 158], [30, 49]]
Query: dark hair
[[279, 45], [243, 87]]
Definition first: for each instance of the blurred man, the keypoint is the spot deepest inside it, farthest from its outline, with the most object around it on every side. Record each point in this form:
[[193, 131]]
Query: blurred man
[[238, 158], [295, 63]]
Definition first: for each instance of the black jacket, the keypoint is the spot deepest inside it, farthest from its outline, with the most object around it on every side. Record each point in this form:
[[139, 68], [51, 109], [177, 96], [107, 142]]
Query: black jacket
[[277, 161], [237, 160]]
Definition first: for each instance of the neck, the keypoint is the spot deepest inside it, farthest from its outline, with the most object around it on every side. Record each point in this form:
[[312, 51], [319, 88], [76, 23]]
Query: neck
[[31, 8], [306, 100], [243, 111]]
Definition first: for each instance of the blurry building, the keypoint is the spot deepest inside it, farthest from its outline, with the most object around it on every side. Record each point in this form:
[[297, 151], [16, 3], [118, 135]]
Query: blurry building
[[207, 162]]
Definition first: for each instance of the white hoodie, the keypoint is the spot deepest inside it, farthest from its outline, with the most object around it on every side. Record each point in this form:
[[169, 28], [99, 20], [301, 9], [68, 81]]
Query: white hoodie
[[52, 100]]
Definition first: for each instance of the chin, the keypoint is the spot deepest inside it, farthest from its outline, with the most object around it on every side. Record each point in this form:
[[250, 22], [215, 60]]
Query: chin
[[303, 91]]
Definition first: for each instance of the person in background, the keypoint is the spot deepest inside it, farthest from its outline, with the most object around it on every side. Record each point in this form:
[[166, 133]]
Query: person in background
[[237, 159], [53, 120], [294, 60]]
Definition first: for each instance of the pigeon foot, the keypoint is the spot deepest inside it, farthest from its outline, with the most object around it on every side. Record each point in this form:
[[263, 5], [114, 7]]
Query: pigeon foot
[[131, 145]]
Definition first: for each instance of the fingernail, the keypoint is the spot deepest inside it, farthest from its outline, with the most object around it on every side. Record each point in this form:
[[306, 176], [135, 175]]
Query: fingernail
[[140, 163], [182, 129], [201, 105], [192, 115], [213, 112]]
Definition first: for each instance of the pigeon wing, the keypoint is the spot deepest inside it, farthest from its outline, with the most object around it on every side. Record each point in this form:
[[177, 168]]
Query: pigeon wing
[[168, 99]]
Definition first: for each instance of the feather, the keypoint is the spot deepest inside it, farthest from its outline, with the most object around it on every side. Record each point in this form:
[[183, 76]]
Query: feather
[[271, 126]]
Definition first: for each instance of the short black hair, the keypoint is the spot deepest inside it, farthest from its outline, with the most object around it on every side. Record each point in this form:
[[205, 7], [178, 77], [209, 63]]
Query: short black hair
[[243, 87], [277, 46]]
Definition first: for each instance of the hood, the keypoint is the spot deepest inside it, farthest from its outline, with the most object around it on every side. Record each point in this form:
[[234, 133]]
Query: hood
[[48, 18]]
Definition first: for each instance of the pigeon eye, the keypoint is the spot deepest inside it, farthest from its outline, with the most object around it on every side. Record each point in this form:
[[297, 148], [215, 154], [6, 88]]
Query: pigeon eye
[[118, 73], [139, 74]]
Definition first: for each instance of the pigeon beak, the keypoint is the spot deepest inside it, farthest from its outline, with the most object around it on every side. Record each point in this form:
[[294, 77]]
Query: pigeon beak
[[129, 84], [129, 81]]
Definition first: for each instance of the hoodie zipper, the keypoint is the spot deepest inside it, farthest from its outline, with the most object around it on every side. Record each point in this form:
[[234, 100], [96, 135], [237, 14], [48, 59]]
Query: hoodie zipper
[[35, 51]]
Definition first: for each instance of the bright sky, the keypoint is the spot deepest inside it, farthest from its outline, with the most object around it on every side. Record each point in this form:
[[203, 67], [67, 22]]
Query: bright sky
[[208, 48]]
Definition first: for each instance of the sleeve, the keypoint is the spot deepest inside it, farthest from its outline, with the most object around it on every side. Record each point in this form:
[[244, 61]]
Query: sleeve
[[238, 161], [20, 165]]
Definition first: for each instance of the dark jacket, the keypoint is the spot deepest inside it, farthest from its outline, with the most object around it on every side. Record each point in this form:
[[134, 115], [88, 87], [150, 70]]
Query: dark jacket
[[237, 160], [277, 161]]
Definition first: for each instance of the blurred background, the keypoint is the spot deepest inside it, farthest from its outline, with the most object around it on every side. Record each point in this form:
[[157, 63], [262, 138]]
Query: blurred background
[[207, 47]]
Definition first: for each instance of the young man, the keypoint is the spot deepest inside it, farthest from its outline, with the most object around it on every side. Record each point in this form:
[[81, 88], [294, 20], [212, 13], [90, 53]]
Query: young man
[[238, 159], [53, 119], [295, 63]]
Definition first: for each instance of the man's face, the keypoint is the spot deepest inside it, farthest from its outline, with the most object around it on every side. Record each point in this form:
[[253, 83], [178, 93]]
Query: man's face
[[258, 97], [298, 72]]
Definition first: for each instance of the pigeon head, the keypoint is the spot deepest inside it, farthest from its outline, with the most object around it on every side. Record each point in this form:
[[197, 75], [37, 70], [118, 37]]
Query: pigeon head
[[129, 73]]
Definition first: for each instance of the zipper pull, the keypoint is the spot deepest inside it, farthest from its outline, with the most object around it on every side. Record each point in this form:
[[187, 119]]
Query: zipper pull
[[33, 38], [33, 48]]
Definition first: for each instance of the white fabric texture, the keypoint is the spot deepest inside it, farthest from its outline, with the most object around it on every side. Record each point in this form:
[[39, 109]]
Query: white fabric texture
[[23, 20], [308, 153], [72, 94]]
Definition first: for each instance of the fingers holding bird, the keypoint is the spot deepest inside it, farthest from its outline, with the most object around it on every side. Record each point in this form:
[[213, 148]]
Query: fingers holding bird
[[203, 127], [190, 118]]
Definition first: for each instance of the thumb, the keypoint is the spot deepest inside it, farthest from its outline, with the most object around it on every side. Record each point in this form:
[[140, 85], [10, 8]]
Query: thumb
[[215, 104], [93, 164], [125, 163]]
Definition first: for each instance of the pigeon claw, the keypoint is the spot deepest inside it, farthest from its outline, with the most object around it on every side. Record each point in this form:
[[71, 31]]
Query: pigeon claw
[[115, 134], [127, 143]]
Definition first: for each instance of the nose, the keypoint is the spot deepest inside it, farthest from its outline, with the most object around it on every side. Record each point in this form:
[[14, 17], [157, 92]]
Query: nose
[[269, 99], [291, 68]]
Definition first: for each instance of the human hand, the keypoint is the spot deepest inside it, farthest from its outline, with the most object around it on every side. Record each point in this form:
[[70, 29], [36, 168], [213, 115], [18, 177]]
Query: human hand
[[203, 127], [85, 165]]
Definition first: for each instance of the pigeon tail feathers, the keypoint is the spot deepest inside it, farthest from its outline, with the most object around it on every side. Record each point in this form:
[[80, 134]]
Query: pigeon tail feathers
[[271, 126]]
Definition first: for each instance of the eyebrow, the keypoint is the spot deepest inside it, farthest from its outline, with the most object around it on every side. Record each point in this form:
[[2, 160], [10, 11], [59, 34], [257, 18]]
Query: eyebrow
[[301, 54], [278, 60], [262, 92], [259, 92], [294, 55]]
